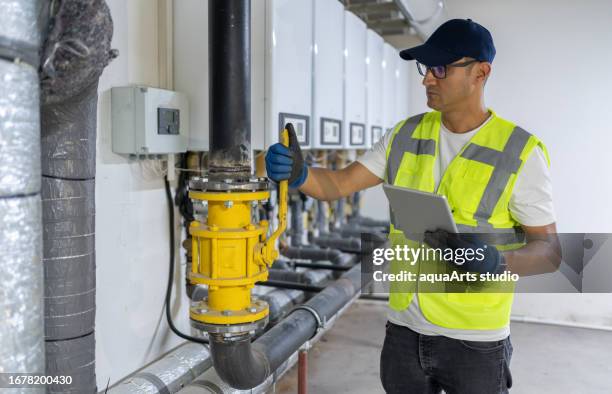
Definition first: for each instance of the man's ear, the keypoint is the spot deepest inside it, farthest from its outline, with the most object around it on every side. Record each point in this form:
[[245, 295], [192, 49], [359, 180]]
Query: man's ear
[[484, 71]]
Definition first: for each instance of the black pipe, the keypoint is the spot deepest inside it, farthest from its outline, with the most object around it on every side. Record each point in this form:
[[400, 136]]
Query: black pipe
[[229, 41], [366, 221], [320, 266], [291, 285], [285, 275], [355, 205], [313, 253], [297, 221], [374, 297], [355, 230], [337, 257], [244, 365], [349, 244], [321, 216]]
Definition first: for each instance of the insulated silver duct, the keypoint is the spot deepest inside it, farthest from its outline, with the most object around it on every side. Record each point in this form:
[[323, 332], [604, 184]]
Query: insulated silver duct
[[21, 293], [21, 308], [19, 129], [168, 374], [75, 358], [75, 53], [68, 217], [20, 28]]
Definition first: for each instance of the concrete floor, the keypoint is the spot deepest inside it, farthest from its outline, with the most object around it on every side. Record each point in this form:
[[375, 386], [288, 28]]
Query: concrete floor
[[546, 359]]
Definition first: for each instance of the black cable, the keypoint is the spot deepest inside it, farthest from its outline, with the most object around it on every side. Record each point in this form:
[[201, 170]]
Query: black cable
[[181, 199], [171, 273]]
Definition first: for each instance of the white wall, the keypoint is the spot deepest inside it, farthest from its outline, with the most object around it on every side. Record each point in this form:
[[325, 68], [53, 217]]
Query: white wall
[[131, 219], [552, 76]]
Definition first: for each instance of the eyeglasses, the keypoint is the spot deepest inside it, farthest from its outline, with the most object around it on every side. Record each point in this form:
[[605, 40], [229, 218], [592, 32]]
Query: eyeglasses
[[439, 72]]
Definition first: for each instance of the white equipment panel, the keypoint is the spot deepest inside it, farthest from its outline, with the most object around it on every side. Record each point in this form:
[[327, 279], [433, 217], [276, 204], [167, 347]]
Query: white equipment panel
[[389, 66], [328, 93], [402, 110], [355, 74], [288, 91], [374, 49], [148, 121]]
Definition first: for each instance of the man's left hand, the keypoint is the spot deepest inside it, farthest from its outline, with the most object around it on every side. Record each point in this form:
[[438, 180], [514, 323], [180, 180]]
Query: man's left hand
[[493, 261]]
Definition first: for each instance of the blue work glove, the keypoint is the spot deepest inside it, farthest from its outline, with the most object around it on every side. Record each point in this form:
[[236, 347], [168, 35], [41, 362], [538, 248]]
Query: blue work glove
[[287, 162], [493, 261]]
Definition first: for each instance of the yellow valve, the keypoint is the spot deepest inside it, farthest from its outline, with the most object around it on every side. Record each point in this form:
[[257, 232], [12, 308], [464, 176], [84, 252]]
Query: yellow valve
[[230, 254]]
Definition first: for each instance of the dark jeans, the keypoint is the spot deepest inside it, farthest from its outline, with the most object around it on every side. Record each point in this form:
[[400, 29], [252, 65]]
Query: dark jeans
[[411, 363]]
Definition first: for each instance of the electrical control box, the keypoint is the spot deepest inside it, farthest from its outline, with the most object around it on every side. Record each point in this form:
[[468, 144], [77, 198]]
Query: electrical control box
[[355, 75], [328, 94], [374, 57], [148, 121], [390, 77]]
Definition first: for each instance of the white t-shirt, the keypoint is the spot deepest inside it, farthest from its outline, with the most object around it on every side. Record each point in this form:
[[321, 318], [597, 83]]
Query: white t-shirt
[[530, 204]]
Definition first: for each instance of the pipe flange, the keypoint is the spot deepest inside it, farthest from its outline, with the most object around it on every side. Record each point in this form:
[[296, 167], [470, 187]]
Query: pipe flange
[[229, 329], [228, 185], [321, 322]]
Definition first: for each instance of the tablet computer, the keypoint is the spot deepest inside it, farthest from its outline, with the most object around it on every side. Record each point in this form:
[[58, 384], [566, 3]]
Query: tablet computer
[[416, 212]]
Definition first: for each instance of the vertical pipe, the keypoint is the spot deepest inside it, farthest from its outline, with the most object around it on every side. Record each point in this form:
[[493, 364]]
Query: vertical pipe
[[297, 221], [229, 40], [303, 372], [76, 50], [21, 293]]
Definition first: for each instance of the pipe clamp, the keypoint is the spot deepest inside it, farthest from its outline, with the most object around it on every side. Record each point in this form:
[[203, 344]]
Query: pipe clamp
[[321, 323]]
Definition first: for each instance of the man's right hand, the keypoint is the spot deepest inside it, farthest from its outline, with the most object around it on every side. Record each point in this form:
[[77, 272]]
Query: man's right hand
[[287, 163]]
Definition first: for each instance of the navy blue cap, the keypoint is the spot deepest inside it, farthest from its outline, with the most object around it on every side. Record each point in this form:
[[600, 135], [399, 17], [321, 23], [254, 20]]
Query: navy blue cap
[[451, 41]]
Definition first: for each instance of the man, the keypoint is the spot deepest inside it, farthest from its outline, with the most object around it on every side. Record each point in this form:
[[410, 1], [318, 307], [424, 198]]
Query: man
[[496, 178]]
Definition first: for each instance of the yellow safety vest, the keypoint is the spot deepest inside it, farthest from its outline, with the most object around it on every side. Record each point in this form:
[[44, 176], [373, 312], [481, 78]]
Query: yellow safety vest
[[478, 184]]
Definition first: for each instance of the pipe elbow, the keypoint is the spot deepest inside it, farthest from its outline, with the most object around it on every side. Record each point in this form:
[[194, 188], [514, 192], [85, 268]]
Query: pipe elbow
[[237, 362]]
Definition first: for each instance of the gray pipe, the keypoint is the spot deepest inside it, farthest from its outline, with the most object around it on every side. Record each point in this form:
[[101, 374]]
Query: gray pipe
[[210, 382], [297, 221], [188, 361], [355, 205], [76, 52], [313, 253], [309, 277], [321, 217], [244, 366], [349, 244], [366, 221], [339, 216], [357, 231], [21, 270]]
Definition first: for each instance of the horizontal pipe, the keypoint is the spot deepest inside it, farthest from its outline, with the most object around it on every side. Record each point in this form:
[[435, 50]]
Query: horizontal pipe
[[374, 297], [360, 232], [350, 244], [244, 365], [313, 253], [320, 266], [291, 285], [335, 256], [210, 382], [168, 374], [286, 275], [366, 221]]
